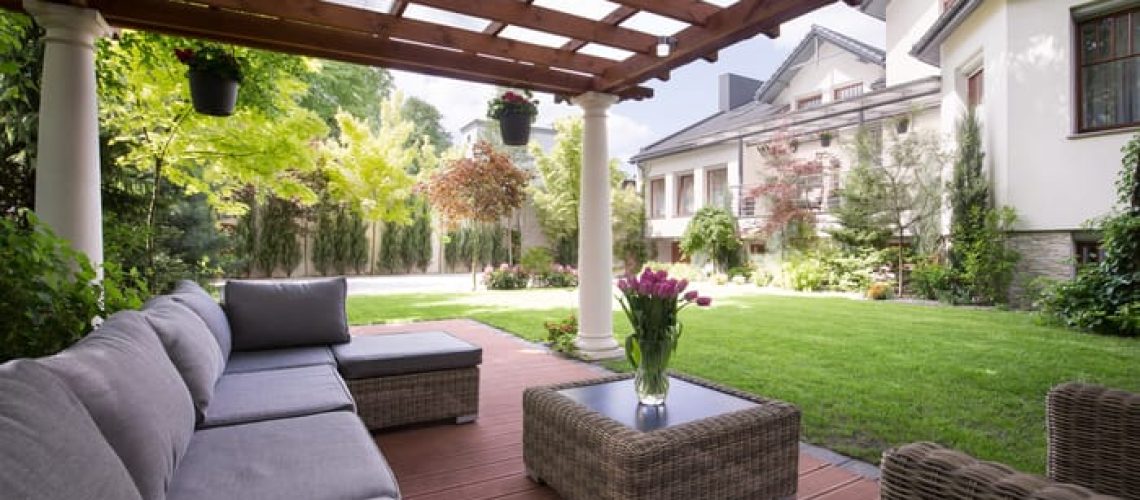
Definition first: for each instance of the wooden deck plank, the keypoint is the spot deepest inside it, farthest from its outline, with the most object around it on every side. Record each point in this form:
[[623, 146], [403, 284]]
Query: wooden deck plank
[[483, 460]]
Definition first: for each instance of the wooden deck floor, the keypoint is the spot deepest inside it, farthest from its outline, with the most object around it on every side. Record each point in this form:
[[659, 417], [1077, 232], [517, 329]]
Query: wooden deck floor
[[483, 460]]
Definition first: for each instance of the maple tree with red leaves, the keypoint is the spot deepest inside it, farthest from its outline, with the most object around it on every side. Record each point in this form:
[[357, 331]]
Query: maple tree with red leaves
[[482, 189], [783, 189]]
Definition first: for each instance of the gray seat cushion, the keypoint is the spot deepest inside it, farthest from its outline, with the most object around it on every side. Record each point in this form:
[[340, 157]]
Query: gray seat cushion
[[191, 347], [316, 457], [50, 447], [289, 392], [273, 359], [135, 396], [370, 356], [277, 314], [189, 294]]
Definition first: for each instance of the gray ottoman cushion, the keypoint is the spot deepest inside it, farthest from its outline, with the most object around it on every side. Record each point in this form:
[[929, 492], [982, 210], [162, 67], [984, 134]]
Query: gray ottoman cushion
[[370, 356], [189, 294], [317, 457], [191, 347], [275, 314], [290, 392], [273, 359], [135, 395], [50, 447]]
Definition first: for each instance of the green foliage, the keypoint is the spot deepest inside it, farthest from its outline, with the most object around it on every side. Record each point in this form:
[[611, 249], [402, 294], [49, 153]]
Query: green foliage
[[211, 59], [969, 191], [478, 243], [1105, 297], [931, 280], [827, 268], [407, 247], [863, 224], [712, 231], [50, 296], [428, 131], [987, 263], [630, 246], [558, 190], [21, 63], [880, 291], [505, 278], [804, 273], [335, 87], [536, 260], [559, 276], [561, 335]]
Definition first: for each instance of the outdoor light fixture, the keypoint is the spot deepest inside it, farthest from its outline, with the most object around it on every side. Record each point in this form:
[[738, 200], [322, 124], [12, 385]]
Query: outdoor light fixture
[[665, 45]]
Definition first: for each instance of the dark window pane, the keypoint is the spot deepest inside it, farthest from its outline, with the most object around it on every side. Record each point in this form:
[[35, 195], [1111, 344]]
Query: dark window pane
[[1121, 34], [1102, 103], [1131, 90], [1096, 40], [1136, 32]]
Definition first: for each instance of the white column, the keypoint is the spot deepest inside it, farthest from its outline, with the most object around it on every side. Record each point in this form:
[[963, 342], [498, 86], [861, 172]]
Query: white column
[[67, 164], [671, 195], [700, 184], [595, 234]]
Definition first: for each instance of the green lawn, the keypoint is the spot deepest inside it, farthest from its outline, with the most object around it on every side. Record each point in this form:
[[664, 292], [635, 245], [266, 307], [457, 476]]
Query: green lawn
[[867, 375]]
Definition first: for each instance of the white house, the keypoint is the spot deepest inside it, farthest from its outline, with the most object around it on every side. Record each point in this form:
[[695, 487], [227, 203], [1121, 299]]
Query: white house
[[828, 86], [1056, 84]]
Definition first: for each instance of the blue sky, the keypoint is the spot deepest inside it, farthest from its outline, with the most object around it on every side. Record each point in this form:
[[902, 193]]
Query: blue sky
[[689, 95]]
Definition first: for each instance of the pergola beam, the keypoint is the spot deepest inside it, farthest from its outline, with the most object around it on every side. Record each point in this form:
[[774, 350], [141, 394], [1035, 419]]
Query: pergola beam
[[550, 21], [728, 26], [268, 33], [692, 12], [336, 16]]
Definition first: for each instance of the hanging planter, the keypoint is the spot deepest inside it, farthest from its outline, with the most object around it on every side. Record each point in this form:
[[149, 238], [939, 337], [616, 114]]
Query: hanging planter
[[215, 77], [902, 125], [825, 139], [515, 113]]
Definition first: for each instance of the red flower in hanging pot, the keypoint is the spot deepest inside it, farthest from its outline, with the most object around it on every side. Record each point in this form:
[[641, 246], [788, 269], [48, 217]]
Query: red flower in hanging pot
[[184, 55]]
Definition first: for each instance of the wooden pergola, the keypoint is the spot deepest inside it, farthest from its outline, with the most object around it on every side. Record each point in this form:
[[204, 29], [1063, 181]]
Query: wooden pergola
[[592, 58]]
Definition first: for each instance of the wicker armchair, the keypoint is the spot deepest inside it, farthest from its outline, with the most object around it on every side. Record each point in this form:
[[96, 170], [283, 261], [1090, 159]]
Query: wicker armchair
[[1094, 453]]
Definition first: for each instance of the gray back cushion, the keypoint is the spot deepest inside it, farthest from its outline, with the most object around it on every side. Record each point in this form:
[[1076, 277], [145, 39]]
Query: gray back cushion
[[191, 347], [274, 314], [135, 395], [189, 294], [49, 446]]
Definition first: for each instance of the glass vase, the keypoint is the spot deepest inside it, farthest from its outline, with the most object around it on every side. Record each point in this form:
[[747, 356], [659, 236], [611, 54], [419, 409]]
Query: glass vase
[[650, 378]]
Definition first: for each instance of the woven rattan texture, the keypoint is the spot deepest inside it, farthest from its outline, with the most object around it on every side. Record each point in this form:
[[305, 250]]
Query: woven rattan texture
[[1094, 438], [420, 397], [749, 454]]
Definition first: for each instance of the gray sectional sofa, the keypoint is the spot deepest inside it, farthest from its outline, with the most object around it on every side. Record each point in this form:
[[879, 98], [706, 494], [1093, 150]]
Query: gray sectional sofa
[[184, 400]]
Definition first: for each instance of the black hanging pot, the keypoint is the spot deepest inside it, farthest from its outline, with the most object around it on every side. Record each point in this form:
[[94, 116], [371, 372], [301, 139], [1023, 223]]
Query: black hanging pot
[[515, 128], [211, 94], [825, 140], [902, 125]]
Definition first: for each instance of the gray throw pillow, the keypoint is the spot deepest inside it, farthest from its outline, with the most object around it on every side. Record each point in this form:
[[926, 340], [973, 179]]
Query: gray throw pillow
[[189, 294], [275, 314], [191, 347], [50, 447], [135, 395]]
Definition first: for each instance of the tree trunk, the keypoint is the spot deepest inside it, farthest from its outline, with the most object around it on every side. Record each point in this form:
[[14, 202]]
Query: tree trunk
[[899, 271], [474, 281]]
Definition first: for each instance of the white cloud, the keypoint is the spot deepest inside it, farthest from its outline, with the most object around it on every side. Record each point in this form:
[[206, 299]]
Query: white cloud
[[837, 17]]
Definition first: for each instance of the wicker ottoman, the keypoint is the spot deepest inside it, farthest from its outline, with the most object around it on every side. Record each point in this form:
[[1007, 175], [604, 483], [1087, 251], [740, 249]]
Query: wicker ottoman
[[407, 378], [591, 440]]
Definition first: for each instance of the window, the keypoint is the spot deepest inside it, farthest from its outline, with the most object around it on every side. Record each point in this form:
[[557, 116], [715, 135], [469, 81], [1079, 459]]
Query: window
[[685, 194], [716, 192], [1088, 252], [1108, 76], [848, 91], [809, 101], [748, 206], [657, 198], [975, 89]]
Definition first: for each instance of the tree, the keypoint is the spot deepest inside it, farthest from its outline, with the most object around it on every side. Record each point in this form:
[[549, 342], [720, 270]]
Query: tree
[[21, 53], [629, 228], [712, 231], [969, 191], [862, 224], [427, 128], [480, 190], [370, 168], [335, 86], [556, 194], [785, 189]]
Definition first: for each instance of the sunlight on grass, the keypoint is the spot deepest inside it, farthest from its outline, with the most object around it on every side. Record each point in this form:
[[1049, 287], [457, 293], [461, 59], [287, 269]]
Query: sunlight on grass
[[867, 375]]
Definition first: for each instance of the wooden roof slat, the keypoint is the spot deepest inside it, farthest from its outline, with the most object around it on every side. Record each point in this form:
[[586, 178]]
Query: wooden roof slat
[[341, 17], [692, 12], [741, 21], [613, 18], [550, 21], [267, 33]]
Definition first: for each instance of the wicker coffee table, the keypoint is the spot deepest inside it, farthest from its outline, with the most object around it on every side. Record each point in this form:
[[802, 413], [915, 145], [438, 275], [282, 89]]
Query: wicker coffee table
[[591, 440]]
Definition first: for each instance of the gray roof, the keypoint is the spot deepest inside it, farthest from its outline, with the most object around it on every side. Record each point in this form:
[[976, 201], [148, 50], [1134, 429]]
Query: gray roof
[[759, 110], [926, 49]]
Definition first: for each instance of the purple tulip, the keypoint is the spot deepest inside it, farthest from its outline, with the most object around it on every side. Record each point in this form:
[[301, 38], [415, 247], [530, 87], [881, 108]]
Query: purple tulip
[[661, 275], [645, 287], [681, 286], [704, 301], [647, 275], [664, 290], [623, 285], [691, 295]]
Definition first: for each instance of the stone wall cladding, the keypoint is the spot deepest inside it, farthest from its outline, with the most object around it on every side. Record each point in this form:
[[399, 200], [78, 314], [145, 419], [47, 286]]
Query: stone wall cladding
[[1043, 254]]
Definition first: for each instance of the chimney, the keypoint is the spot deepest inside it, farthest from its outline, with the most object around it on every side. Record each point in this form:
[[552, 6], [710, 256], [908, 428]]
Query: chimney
[[736, 91]]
